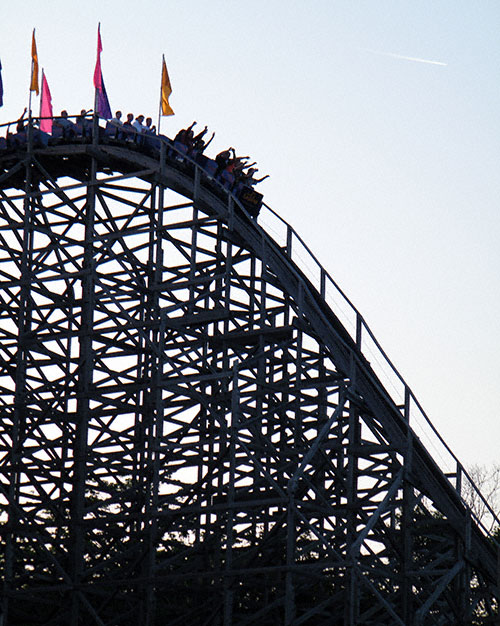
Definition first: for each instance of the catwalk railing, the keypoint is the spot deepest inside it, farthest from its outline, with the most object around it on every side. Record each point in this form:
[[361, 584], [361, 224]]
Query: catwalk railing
[[280, 235], [394, 384]]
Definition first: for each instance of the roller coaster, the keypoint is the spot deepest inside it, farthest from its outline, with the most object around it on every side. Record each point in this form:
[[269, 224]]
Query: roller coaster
[[197, 426]]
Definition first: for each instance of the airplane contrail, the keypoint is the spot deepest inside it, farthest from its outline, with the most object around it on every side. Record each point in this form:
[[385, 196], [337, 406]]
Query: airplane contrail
[[405, 58]]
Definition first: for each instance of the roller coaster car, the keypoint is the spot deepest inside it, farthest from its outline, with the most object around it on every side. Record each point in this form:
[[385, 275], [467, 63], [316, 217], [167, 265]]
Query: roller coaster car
[[251, 200]]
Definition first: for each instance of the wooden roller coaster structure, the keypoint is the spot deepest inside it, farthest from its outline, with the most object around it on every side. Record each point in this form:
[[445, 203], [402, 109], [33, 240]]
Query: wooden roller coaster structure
[[196, 425]]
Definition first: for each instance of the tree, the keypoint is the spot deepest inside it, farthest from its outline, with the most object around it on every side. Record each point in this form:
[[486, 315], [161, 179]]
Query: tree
[[485, 482]]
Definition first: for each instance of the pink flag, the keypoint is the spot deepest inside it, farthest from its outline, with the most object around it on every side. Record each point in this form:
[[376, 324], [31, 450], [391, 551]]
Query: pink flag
[[97, 71], [45, 107]]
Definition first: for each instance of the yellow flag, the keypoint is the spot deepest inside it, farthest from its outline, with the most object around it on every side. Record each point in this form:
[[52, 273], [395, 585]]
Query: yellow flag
[[166, 90], [34, 66]]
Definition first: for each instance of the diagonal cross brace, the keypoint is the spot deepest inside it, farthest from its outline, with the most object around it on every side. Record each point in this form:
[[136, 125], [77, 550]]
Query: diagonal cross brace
[[377, 513], [292, 483], [444, 582]]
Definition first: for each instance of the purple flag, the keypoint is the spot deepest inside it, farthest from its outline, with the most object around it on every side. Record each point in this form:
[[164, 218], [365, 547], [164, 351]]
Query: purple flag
[[103, 108], [1, 86]]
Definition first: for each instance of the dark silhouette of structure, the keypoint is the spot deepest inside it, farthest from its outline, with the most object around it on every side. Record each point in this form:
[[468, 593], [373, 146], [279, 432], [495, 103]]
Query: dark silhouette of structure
[[189, 432]]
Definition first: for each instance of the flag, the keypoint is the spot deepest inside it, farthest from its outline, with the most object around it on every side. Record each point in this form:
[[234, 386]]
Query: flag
[[34, 66], [103, 108], [166, 90], [101, 97], [1, 86], [45, 107]]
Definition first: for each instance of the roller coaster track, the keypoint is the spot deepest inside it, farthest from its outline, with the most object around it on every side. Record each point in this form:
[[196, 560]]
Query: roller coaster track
[[316, 498]]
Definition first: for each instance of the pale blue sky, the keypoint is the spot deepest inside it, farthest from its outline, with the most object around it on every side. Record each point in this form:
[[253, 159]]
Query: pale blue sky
[[387, 167]]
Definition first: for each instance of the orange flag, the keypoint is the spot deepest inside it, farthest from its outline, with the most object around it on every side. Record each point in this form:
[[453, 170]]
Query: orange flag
[[166, 90], [34, 66]]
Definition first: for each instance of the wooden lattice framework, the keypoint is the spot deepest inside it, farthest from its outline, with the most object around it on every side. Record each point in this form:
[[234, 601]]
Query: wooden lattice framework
[[188, 435]]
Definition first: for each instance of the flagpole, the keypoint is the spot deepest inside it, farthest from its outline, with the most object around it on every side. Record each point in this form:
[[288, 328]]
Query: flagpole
[[29, 102], [161, 93], [41, 94], [95, 124], [31, 77], [30, 127]]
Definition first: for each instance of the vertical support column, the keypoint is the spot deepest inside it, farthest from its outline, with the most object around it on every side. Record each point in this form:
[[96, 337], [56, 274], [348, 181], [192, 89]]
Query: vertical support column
[[228, 566], [275, 421], [300, 299], [289, 234], [20, 413], [407, 518], [322, 420], [406, 533], [252, 307], [192, 260], [295, 444], [290, 561], [265, 424], [152, 403], [461, 584], [153, 477], [458, 479], [227, 261], [205, 438], [205, 443], [359, 330], [498, 566], [227, 434], [85, 371], [466, 575], [322, 283], [407, 405], [352, 584]]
